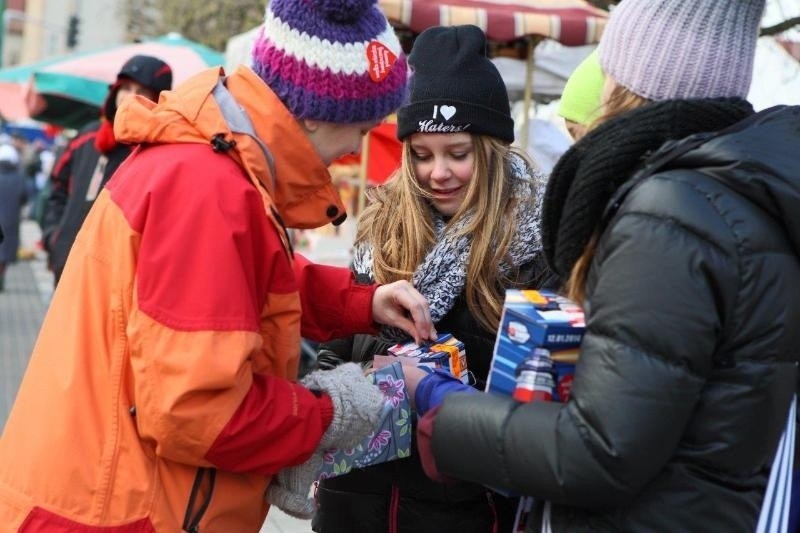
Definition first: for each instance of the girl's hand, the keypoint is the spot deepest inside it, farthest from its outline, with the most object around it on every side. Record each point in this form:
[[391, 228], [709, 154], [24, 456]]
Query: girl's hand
[[400, 305]]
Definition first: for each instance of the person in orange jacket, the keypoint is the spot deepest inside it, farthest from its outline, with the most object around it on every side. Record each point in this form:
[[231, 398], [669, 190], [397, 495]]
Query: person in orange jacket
[[161, 393]]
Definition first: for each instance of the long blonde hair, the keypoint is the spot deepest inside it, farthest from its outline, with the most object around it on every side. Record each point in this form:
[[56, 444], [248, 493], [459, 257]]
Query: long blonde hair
[[399, 223], [620, 100]]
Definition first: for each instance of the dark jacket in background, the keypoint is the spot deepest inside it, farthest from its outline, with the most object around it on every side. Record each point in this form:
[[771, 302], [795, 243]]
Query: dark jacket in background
[[77, 178], [12, 198], [89, 161], [710, 243]]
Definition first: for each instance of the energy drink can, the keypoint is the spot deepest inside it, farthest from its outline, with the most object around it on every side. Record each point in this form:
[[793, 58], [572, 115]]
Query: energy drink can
[[535, 377]]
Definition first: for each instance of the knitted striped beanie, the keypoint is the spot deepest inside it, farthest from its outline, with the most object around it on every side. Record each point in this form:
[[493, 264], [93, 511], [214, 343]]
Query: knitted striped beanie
[[331, 60], [682, 49]]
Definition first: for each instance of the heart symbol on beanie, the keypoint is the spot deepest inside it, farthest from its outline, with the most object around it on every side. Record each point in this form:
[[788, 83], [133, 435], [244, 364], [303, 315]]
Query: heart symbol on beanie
[[381, 60], [447, 111]]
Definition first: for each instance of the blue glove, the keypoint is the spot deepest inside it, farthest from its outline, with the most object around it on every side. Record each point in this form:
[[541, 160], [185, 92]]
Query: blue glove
[[432, 389]]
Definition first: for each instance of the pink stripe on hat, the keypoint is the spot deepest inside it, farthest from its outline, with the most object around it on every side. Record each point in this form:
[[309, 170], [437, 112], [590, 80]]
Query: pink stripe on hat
[[332, 85]]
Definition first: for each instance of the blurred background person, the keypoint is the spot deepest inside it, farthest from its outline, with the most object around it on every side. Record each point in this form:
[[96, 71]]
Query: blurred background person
[[91, 158], [13, 195], [581, 100]]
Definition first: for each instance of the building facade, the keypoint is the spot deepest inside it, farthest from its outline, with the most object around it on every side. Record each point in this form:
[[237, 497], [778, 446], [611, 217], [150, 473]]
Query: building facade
[[38, 29]]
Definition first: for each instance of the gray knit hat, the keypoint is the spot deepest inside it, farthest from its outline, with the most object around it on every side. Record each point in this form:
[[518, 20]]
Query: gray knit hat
[[682, 49]]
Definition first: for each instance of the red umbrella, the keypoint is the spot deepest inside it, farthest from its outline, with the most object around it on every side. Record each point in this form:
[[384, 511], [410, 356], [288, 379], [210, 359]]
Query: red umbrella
[[379, 158], [382, 152]]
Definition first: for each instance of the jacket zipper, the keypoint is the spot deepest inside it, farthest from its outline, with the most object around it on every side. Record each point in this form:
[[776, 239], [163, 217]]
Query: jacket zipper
[[192, 518], [493, 507]]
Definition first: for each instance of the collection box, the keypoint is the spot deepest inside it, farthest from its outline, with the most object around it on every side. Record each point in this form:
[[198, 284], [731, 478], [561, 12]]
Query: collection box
[[531, 320], [447, 353]]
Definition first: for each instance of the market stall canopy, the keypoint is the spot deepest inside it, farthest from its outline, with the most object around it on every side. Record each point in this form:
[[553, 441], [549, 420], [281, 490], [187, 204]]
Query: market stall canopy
[[14, 83], [553, 66], [570, 22], [68, 91], [12, 102]]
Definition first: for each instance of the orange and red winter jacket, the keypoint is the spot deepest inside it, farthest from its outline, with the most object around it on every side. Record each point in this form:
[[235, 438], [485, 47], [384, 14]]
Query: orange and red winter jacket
[[160, 393]]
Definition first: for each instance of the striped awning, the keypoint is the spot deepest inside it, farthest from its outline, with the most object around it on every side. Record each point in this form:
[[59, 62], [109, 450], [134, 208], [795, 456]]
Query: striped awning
[[570, 22]]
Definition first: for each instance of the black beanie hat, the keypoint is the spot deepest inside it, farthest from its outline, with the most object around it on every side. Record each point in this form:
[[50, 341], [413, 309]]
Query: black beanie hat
[[455, 87], [150, 71]]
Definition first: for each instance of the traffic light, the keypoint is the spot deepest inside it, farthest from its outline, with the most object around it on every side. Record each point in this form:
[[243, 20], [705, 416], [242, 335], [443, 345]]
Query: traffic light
[[72, 31]]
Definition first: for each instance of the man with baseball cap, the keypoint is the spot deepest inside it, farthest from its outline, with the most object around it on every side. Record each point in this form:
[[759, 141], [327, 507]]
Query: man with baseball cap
[[92, 157]]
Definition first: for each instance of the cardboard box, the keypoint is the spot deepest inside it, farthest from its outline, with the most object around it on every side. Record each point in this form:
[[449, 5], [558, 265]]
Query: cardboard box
[[536, 319], [446, 353]]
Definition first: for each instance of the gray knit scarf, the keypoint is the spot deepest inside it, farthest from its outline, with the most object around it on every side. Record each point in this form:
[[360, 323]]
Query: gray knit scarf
[[441, 276]]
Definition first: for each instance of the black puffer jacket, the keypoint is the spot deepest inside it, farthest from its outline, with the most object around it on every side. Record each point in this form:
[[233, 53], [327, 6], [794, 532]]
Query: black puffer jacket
[[690, 358]]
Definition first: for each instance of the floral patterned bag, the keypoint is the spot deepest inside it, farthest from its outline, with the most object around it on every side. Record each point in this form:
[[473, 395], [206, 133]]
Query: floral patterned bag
[[392, 436]]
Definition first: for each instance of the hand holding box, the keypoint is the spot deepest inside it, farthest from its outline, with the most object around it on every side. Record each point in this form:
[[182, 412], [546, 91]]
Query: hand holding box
[[541, 325], [392, 436]]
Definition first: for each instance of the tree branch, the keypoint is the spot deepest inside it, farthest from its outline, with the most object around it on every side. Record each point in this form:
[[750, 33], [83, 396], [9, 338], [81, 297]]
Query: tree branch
[[780, 27], [603, 4]]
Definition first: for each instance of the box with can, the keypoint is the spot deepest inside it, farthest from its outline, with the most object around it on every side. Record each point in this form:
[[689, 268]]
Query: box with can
[[536, 347], [446, 352]]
